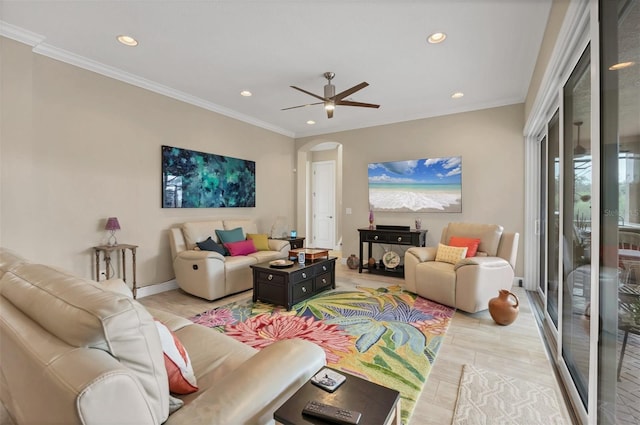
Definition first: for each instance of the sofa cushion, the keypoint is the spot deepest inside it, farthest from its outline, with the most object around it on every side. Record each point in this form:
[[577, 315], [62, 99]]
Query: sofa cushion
[[88, 315], [450, 254], [470, 243], [198, 231], [234, 235], [241, 247], [182, 380], [211, 245], [247, 225], [260, 240]]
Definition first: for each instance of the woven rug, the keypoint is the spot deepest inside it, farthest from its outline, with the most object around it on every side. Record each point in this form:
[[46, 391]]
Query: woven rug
[[385, 335], [486, 398]]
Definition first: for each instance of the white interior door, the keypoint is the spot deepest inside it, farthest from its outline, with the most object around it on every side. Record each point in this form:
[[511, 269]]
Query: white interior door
[[323, 204]]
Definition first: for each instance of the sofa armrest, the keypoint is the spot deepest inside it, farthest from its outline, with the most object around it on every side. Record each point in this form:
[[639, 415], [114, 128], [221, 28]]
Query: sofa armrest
[[485, 262], [201, 273], [193, 254], [478, 279], [280, 245], [251, 393], [423, 253]]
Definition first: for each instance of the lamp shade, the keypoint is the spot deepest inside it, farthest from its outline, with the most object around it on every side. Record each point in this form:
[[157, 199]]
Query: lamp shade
[[112, 224]]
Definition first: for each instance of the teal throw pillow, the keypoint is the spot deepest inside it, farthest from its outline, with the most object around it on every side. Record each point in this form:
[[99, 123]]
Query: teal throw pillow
[[234, 235]]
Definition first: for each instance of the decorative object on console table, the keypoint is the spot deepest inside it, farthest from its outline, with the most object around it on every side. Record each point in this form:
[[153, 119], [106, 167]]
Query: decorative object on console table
[[106, 250], [371, 219], [418, 223], [111, 226], [503, 311], [388, 235]]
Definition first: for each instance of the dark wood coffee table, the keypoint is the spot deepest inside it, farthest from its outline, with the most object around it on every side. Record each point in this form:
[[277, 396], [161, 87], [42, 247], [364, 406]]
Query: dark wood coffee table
[[289, 286], [379, 405]]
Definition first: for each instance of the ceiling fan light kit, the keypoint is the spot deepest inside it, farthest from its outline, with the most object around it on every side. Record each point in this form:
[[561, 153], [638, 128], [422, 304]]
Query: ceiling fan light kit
[[331, 99]]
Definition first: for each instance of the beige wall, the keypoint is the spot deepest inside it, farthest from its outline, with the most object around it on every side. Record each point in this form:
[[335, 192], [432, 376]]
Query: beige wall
[[554, 24], [77, 147], [490, 142]]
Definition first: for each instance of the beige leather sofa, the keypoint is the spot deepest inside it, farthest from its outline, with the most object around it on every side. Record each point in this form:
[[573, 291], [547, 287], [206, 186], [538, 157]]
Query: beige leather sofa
[[209, 275], [469, 284], [74, 352]]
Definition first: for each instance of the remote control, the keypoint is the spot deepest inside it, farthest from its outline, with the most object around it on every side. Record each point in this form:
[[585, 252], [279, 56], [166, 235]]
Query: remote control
[[331, 413]]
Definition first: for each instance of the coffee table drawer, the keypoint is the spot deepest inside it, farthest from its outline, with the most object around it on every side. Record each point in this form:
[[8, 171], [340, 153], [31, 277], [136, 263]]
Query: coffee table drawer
[[271, 278], [302, 290], [323, 281], [323, 268], [301, 275]]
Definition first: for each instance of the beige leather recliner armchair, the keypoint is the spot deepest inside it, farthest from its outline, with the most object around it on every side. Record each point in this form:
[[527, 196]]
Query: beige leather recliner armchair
[[469, 284]]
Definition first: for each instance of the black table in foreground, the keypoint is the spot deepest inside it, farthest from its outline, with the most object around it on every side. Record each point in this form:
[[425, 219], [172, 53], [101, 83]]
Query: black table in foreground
[[378, 404]]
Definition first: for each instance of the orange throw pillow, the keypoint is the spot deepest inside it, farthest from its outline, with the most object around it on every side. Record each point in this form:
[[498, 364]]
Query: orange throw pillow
[[182, 380], [471, 244]]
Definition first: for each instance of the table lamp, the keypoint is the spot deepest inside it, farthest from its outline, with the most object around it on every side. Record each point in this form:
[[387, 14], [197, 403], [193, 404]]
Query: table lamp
[[112, 225]]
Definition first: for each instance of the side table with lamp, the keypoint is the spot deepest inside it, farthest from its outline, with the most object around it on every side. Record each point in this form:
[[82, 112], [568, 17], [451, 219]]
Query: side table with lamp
[[113, 245]]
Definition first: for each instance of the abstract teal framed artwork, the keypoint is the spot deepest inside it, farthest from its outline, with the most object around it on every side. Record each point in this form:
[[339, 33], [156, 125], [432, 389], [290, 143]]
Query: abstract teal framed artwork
[[192, 179]]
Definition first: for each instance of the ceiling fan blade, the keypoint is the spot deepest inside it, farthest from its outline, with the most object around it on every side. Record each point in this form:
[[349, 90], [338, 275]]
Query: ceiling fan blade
[[302, 106], [308, 92], [329, 113], [350, 103], [350, 91]]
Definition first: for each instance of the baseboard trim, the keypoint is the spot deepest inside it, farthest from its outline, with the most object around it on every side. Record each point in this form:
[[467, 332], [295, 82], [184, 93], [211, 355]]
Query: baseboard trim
[[146, 291]]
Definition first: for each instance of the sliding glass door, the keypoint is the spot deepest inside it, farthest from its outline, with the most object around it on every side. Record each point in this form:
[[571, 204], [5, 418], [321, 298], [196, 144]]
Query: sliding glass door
[[619, 294], [576, 224]]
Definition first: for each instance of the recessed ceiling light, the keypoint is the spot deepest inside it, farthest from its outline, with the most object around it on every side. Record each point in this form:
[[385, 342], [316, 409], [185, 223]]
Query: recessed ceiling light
[[621, 65], [127, 40], [245, 93], [457, 95], [437, 37], [311, 122]]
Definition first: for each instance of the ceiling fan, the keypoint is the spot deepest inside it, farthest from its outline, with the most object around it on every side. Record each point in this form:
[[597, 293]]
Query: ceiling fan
[[331, 99]]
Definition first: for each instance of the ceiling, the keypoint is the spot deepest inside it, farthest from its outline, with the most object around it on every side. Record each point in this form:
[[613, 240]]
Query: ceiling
[[207, 52]]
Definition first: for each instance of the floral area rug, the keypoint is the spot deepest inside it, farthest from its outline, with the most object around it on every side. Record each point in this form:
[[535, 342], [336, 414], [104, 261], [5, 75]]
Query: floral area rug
[[385, 335]]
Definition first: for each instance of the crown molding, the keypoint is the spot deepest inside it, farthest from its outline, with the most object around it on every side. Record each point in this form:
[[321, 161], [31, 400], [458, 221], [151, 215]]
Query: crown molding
[[18, 34], [41, 48]]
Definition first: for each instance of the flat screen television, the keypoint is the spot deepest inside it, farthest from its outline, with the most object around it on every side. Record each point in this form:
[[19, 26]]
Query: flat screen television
[[420, 185]]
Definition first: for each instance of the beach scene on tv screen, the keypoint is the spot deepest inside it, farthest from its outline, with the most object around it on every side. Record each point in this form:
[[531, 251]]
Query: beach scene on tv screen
[[421, 185]]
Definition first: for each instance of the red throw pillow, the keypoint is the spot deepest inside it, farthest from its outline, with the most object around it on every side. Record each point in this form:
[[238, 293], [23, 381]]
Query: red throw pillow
[[471, 244], [182, 380], [241, 247]]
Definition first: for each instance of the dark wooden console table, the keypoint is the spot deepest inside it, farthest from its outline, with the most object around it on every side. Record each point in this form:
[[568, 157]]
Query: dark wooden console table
[[411, 237]]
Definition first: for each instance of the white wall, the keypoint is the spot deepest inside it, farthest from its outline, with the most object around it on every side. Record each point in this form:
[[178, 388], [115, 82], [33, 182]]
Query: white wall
[[77, 147], [490, 142]]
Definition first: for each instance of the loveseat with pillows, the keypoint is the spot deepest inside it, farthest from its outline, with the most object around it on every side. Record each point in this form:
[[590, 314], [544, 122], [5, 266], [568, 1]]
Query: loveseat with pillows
[[470, 265], [212, 259], [76, 351]]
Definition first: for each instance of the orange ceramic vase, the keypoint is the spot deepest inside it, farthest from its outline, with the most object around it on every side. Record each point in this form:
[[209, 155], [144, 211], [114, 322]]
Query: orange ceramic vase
[[502, 309]]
